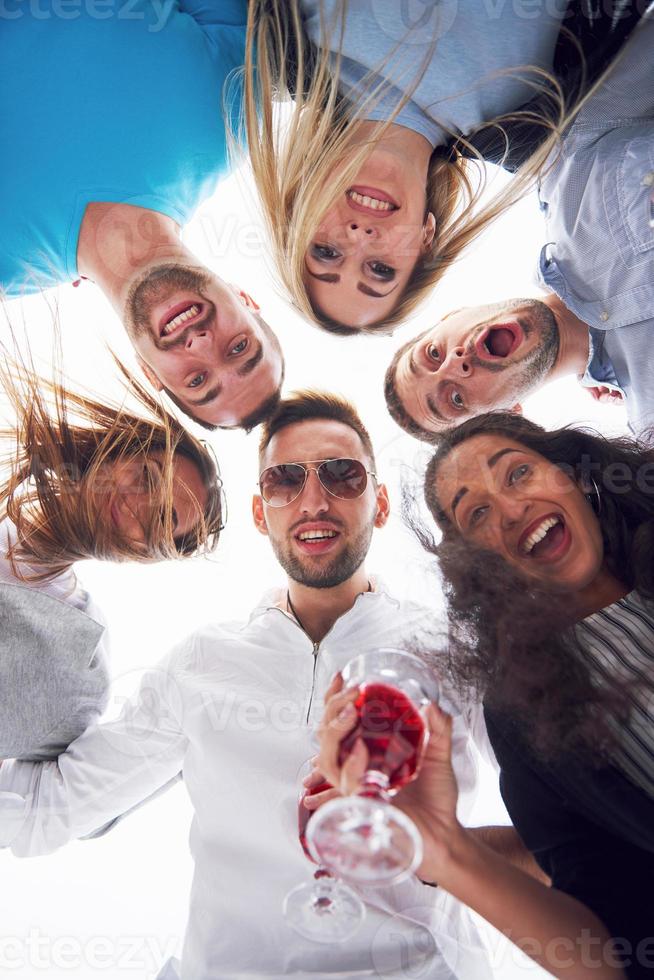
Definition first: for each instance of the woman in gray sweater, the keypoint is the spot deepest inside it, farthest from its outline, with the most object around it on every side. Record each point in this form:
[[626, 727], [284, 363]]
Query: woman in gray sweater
[[82, 479]]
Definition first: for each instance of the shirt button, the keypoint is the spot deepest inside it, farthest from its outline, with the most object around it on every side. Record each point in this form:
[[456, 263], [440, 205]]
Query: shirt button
[[604, 316], [648, 179]]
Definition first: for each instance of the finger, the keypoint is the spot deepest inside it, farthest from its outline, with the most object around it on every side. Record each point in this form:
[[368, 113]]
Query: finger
[[314, 778], [330, 735], [337, 702], [317, 799], [354, 768], [439, 725], [335, 686]]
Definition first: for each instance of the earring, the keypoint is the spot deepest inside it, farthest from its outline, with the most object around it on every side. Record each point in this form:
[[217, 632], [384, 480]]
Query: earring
[[594, 499]]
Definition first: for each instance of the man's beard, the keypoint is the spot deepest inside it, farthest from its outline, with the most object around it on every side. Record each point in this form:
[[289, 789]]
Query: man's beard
[[154, 288], [331, 573], [531, 370], [538, 364]]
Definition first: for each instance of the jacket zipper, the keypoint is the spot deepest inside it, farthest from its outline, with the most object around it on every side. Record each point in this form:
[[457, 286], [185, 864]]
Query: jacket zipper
[[315, 651]]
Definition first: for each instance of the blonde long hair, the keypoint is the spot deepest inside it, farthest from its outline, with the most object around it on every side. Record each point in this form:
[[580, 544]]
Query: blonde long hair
[[55, 453], [289, 168]]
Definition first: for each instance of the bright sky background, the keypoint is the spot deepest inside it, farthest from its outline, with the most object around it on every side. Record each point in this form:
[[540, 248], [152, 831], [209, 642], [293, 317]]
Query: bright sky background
[[116, 908]]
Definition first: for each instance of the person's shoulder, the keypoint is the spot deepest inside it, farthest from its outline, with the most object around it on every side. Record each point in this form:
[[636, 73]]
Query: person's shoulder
[[212, 639]]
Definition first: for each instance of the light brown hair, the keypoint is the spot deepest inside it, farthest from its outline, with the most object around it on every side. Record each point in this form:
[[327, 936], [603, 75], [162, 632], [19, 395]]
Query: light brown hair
[[58, 449]]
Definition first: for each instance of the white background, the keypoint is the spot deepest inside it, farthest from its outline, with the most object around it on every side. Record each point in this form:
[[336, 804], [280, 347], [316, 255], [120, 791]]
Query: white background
[[116, 907]]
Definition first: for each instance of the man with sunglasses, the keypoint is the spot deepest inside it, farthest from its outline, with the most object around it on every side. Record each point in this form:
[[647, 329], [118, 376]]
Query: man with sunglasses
[[236, 706]]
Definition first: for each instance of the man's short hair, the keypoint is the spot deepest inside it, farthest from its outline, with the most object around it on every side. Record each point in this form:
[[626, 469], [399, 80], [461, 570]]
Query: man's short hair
[[302, 406], [394, 404], [263, 410]]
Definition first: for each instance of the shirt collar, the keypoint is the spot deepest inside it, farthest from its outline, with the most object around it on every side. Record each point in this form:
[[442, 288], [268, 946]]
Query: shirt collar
[[275, 598]]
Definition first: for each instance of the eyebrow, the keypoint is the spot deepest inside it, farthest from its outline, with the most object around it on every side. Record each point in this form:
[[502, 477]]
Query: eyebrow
[[333, 277], [209, 397], [250, 365], [435, 410], [492, 460]]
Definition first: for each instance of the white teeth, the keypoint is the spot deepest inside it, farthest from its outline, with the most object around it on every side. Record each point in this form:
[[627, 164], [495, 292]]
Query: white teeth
[[181, 318], [315, 535], [370, 202], [539, 533]]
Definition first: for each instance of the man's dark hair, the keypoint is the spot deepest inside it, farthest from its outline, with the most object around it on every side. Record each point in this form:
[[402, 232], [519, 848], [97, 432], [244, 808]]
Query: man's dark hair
[[396, 409], [302, 406]]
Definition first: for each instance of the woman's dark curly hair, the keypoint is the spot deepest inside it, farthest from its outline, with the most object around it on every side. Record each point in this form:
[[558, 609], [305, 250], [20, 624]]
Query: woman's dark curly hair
[[509, 640]]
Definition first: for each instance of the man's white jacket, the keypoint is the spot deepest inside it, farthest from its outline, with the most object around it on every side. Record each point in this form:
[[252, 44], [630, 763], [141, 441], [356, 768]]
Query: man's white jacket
[[235, 707]]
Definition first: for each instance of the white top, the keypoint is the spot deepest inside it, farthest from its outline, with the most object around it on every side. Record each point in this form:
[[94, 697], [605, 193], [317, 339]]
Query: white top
[[235, 706]]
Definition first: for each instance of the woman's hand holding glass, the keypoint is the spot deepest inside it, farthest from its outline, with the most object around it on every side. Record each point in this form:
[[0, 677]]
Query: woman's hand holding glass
[[429, 800]]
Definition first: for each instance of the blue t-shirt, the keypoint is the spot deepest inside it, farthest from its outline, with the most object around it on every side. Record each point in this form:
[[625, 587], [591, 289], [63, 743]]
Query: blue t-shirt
[[107, 100]]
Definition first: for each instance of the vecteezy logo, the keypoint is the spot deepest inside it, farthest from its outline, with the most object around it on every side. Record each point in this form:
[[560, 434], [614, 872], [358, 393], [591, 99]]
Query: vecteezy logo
[[402, 947], [415, 21]]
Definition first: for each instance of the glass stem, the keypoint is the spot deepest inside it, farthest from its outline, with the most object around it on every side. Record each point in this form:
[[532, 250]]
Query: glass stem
[[375, 784], [323, 891]]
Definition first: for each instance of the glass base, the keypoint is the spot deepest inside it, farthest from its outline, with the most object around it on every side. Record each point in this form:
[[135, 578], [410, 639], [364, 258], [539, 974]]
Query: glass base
[[325, 911], [364, 840]]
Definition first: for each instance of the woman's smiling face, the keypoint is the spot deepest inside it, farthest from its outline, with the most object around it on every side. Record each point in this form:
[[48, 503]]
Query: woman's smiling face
[[502, 496]]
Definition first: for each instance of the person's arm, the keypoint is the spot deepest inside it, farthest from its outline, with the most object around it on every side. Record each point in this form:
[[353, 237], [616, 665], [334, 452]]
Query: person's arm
[[506, 842], [551, 927], [106, 771]]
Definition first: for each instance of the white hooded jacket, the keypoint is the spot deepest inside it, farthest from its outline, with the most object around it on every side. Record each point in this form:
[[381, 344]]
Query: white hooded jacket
[[235, 707]]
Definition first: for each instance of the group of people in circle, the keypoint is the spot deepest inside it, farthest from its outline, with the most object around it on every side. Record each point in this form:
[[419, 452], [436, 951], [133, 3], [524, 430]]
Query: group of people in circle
[[371, 187]]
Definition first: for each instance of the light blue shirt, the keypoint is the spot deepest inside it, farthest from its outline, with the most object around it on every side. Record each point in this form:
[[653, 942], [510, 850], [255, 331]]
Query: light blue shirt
[[598, 203], [106, 100], [475, 40]]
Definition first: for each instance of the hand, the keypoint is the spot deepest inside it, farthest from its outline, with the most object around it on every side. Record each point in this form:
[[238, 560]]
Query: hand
[[430, 800], [315, 778], [608, 396], [339, 719]]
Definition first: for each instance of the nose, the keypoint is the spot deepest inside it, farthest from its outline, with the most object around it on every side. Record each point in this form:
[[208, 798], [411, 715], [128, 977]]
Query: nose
[[457, 363], [197, 341], [513, 511], [314, 499], [357, 232], [134, 508]]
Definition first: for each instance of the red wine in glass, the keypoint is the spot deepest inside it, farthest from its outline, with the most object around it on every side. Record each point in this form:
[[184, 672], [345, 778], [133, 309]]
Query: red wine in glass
[[393, 732], [363, 838]]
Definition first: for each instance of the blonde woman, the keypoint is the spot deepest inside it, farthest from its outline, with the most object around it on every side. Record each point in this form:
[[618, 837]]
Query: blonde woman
[[372, 189], [82, 479]]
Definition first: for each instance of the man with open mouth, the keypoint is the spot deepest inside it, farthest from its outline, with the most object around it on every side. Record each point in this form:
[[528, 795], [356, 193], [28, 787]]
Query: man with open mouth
[[595, 320], [486, 358], [107, 166]]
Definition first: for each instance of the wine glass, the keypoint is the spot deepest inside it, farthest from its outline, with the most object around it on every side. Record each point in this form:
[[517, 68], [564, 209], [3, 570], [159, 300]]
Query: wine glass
[[363, 838], [325, 910]]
